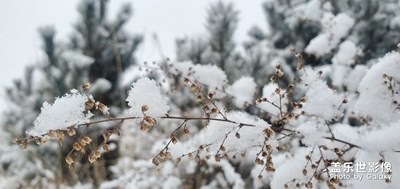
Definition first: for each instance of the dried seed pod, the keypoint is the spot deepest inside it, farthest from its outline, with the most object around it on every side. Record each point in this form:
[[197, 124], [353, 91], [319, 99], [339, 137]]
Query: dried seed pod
[[186, 131], [89, 104], [145, 108], [304, 172], [186, 80], [278, 91], [155, 162], [22, 142], [178, 160], [86, 140], [195, 89], [217, 158], [273, 79], [77, 146], [92, 158], [237, 135], [97, 154], [279, 73], [290, 87], [280, 148], [86, 86], [71, 131], [102, 108], [268, 132], [106, 135], [69, 160], [222, 148], [52, 133], [106, 147], [174, 139]]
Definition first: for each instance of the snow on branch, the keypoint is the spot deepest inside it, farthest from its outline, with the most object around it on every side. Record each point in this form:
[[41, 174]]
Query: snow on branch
[[66, 111], [146, 94]]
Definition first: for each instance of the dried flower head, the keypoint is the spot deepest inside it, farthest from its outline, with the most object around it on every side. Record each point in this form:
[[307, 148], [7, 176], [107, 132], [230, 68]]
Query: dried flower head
[[106, 147], [86, 86], [89, 104], [92, 158], [195, 88], [147, 123], [69, 160], [102, 108], [268, 132], [279, 73], [71, 131], [52, 133], [77, 146], [86, 140], [106, 135], [22, 142], [145, 108]]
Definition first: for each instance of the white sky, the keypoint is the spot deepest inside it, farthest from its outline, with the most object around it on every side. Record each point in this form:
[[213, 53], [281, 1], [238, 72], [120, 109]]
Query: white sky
[[20, 44]]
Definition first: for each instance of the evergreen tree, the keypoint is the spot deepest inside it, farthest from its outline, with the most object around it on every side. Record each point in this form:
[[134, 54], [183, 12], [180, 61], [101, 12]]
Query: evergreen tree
[[98, 51]]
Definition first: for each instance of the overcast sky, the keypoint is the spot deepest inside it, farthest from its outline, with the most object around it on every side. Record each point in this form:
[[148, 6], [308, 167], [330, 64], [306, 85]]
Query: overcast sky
[[20, 44]]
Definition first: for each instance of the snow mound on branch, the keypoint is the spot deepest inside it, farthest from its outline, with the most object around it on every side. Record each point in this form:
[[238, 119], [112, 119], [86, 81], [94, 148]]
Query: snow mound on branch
[[335, 28], [67, 111], [101, 85], [321, 100], [242, 91], [147, 92], [77, 58], [376, 100], [345, 55], [209, 75]]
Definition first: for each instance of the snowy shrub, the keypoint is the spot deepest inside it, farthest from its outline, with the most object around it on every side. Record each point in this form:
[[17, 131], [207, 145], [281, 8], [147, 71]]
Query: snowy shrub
[[296, 109]]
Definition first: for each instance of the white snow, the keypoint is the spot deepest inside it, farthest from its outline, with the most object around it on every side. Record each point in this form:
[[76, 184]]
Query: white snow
[[321, 100], [209, 75], [335, 28], [147, 92], [345, 55], [376, 100], [77, 58], [101, 85], [242, 90], [67, 111]]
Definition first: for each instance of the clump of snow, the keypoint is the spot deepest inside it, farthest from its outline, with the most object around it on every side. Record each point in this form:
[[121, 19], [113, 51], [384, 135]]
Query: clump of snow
[[376, 100], [312, 10], [290, 169], [209, 75], [147, 92], [321, 100], [269, 93], [377, 139], [354, 77], [242, 91], [77, 58], [345, 55], [67, 111], [101, 85], [335, 28]]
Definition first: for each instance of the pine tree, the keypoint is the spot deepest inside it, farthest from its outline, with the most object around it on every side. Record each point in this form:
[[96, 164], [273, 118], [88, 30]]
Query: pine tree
[[217, 47], [98, 51]]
